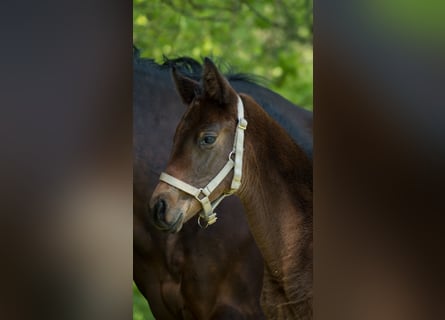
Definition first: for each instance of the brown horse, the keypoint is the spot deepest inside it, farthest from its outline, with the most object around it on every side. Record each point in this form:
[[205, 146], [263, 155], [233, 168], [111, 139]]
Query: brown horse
[[217, 152], [198, 274]]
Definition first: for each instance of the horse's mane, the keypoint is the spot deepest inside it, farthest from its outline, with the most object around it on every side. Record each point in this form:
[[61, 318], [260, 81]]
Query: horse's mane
[[188, 67]]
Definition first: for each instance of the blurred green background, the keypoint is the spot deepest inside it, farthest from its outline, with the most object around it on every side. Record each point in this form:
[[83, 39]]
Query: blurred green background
[[271, 39], [141, 310]]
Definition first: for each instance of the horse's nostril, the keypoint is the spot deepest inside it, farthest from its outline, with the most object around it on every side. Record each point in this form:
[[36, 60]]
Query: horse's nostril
[[159, 210]]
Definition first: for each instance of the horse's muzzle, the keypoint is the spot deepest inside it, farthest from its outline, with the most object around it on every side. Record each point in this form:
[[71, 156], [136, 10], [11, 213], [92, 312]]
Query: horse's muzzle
[[160, 221]]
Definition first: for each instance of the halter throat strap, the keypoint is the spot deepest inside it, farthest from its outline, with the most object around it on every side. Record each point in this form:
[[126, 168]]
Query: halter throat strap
[[234, 161]]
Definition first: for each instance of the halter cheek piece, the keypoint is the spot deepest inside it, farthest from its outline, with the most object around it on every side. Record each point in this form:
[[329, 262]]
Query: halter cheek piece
[[202, 194]]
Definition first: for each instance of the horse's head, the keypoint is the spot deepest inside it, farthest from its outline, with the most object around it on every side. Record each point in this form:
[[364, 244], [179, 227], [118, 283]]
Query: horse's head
[[201, 169]]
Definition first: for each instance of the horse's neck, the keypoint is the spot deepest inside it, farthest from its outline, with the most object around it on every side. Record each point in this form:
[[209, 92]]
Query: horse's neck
[[277, 195]]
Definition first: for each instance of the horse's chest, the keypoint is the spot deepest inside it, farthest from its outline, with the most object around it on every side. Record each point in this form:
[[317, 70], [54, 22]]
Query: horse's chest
[[174, 257], [280, 300], [170, 282]]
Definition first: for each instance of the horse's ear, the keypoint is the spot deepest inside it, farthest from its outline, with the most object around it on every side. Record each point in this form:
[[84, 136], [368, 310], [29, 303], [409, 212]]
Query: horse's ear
[[186, 87], [215, 85]]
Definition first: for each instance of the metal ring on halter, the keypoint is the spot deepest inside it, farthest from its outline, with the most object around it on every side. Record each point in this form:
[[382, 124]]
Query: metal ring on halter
[[231, 154], [200, 192], [200, 225]]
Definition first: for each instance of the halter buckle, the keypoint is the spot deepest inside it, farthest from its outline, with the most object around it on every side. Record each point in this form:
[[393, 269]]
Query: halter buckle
[[203, 193], [211, 219], [242, 123], [200, 193]]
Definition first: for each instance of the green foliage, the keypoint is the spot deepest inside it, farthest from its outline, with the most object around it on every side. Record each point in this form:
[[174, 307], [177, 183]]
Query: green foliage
[[269, 39], [141, 310]]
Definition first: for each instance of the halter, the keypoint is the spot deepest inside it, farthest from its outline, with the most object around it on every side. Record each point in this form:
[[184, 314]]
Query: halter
[[202, 194]]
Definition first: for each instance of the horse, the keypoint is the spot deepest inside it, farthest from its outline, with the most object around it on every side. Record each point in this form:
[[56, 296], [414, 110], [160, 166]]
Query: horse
[[225, 144], [198, 273]]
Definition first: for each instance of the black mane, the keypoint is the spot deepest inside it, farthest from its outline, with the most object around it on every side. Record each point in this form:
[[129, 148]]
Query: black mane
[[187, 66]]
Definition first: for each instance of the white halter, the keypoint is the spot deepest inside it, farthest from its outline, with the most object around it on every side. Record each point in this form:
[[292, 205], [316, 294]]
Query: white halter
[[202, 194]]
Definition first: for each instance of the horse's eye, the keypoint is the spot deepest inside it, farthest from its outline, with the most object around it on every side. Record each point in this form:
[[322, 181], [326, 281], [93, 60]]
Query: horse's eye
[[207, 140]]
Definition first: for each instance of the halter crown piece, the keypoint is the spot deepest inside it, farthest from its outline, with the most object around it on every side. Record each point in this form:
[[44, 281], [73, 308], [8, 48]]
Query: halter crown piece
[[202, 194]]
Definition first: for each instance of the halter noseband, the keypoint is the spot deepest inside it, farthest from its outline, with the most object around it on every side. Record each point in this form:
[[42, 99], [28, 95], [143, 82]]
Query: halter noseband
[[202, 194]]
